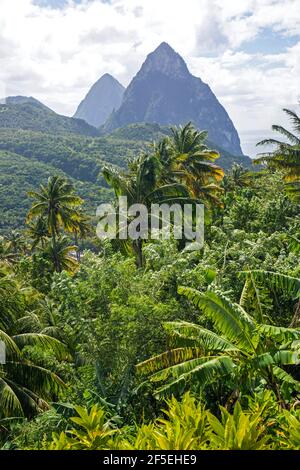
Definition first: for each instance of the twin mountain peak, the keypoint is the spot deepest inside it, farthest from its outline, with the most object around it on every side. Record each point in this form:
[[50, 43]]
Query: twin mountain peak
[[163, 92]]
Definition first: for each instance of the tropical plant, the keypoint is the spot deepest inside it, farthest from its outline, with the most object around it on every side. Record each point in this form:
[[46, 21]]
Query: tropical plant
[[185, 157], [81, 228], [286, 156], [16, 243], [141, 185], [62, 254], [94, 431], [254, 289], [7, 257], [186, 425], [38, 232], [237, 178], [237, 431], [183, 427], [24, 385], [245, 350], [290, 437], [57, 203]]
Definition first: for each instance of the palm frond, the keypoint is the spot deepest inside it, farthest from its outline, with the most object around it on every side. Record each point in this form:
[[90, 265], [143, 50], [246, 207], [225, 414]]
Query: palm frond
[[9, 402], [46, 343]]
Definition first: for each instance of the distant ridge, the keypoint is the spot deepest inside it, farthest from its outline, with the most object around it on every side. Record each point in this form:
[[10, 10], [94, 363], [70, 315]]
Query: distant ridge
[[27, 113]]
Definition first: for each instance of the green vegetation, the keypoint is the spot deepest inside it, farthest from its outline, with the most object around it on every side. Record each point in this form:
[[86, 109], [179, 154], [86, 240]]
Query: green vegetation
[[29, 157], [125, 346], [287, 155], [33, 115], [19, 174]]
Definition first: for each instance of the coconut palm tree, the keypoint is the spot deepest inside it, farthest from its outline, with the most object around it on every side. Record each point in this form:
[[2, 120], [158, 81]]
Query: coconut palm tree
[[16, 242], [242, 348], [38, 232], [62, 254], [237, 178], [186, 157], [142, 184], [57, 203], [286, 156], [80, 228]]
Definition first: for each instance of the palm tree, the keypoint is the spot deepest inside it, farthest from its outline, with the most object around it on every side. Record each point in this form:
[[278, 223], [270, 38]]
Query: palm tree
[[62, 254], [38, 232], [6, 256], [286, 156], [24, 385], [16, 242], [243, 348], [142, 185], [237, 178], [186, 158], [81, 228], [57, 203]]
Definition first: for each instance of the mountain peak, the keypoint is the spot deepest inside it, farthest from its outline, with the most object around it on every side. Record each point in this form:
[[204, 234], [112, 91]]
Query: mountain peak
[[166, 61], [104, 96], [164, 46], [108, 77], [165, 92], [24, 100]]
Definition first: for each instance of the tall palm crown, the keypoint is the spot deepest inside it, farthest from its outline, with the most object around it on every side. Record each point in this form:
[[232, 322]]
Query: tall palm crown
[[143, 184], [185, 157], [57, 203], [286, 156], [38, 232]]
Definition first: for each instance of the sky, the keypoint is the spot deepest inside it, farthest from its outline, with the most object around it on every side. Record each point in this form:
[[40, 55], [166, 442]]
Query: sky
[[248, 51]]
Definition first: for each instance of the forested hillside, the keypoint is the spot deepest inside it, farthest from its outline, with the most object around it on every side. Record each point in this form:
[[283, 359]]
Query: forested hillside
[[143, 343], [33, 115], [77, 157], [18, 175]]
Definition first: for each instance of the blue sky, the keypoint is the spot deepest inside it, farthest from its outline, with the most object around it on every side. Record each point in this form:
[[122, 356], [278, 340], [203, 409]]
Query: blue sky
[[247, 51]]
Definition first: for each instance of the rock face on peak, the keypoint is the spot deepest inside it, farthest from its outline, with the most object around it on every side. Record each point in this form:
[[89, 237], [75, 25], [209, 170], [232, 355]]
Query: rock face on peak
[[166, 61], [165, 92], [104, 96]]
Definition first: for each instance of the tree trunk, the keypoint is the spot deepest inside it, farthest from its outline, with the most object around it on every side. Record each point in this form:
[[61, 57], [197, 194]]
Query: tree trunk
[[77, 244], [296, 316], [138, 249], [56, 260]]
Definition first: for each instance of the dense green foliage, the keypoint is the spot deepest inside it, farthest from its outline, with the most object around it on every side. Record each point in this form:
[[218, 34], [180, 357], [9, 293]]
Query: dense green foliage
[[90, 319], [36, 155], [18, 175], [286, 155]]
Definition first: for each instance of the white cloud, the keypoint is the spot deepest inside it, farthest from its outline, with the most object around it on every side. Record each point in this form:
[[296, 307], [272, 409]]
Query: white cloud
[[57, 54]]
